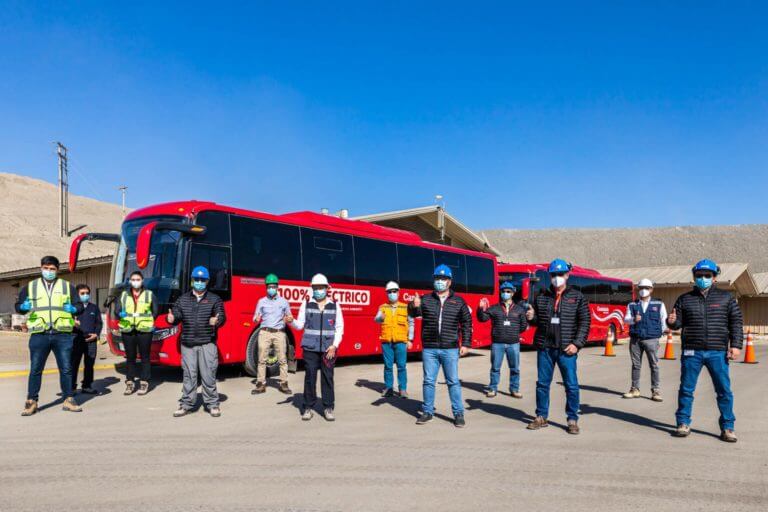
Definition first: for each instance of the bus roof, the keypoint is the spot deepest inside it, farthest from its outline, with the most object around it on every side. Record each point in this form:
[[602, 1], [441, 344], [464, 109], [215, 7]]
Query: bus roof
[[576, 270], [307, 219]]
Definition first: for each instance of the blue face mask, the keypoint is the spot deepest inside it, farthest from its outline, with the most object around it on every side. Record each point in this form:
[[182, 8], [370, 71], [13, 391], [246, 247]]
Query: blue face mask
[[506, 295], [199, 286], [85, 298], [271, 291], [702, 283], [393, 296], [49, 275], [319, 294], [441, 285]]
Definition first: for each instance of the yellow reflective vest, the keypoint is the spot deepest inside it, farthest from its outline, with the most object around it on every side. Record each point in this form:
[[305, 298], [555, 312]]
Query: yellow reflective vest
[[395, 324], [47, 311], [139, 312]]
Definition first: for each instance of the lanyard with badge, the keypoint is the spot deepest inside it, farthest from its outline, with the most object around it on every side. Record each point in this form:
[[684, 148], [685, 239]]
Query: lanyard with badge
[[555, 320]]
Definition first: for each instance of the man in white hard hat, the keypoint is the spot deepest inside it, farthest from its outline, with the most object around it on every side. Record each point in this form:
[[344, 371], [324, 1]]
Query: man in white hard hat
[[647, 318], [323, 326], [396, 340]]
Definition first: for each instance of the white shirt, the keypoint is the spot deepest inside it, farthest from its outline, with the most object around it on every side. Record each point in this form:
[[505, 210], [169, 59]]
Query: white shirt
[[298, 322], [442, 298], [629, 318]]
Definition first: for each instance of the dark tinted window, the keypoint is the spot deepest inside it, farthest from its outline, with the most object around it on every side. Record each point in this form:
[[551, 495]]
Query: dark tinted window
[[602, 292], [577, 283], [480, 275], [327, 253], [458, 268], [217, 260], [375, 262], [416, 267], [588, 288], [217, 224], [261, 247], [621, 293]]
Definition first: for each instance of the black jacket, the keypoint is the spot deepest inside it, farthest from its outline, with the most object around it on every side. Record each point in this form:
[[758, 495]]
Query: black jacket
[[506, 326], [195, 317], [90, 322], [711, 322], [574, 319], [456, 318]]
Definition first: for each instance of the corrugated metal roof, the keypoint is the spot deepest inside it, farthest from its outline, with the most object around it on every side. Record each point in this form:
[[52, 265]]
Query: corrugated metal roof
[[32, 271], [761, 280]]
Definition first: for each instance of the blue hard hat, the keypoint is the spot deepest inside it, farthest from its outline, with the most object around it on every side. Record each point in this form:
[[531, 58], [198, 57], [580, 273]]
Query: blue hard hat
[[200, 273], [506, 285], [559, 265], [706, 265], [443, 271]]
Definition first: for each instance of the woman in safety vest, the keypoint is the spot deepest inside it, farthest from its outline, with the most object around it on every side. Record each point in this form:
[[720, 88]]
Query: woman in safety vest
[[136, 310]]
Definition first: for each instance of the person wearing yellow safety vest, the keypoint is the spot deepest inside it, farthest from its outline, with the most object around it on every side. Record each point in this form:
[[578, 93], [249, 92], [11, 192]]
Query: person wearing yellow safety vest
[[52, 307], [136, 311], [396, 339]]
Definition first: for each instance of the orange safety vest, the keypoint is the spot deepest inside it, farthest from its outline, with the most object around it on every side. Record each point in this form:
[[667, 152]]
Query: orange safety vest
[[395, 325]]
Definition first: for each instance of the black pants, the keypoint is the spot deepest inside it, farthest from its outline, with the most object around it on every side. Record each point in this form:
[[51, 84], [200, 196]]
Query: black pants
[[143, 342], [313, 361], [85, 350]]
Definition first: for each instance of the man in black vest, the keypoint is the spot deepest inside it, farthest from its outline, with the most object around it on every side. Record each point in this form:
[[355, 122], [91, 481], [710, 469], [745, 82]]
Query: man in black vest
[[647, 318]]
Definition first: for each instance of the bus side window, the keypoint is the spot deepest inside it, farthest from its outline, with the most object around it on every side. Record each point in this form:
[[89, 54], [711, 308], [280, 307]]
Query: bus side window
[[375, 262], [327, 253], [218, 261], [415, 266], [458, 268], [480, 275], [261, 247]]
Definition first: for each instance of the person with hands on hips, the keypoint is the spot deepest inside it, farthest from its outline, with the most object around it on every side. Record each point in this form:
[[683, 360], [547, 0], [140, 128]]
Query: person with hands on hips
[[396, 338], [562, 318], [323, 326]]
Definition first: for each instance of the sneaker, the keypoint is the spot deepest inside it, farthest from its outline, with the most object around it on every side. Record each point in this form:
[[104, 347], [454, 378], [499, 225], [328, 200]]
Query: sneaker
[[403, 393], [459, 422], [537, 423], [71, 406], [387, 393], [490, 393], [573, 427], [307, 414], [656, 396], [284, 389], [632, 393], [89, 391], [729, 436], [180, 412], [143, 388], [215, 412], [260, 388], [424, 418], [328, 415], [682, 431], [30, 408], [129, 388], [516, 394]]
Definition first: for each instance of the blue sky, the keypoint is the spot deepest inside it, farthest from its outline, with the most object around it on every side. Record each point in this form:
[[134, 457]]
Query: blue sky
[[592, 115]]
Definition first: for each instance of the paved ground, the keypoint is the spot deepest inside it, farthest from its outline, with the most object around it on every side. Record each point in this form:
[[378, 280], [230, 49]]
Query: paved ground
[[129, 453]]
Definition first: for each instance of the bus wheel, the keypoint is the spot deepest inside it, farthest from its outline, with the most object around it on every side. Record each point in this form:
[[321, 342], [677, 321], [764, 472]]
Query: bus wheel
[[251, 362]]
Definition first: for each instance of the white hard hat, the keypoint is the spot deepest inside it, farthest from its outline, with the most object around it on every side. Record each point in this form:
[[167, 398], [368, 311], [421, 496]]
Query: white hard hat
[[319, 280], [645, 283], [392, 286]]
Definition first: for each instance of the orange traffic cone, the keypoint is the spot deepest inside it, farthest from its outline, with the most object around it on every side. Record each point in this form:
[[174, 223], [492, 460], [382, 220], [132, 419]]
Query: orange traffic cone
[[609, 345], [749, 353], [669, 351]]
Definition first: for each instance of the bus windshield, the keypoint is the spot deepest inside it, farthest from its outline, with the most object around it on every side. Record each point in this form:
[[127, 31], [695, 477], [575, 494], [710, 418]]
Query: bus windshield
[[163, 271]]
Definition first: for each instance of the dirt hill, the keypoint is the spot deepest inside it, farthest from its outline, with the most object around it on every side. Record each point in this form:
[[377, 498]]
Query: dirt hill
[[29, 222]]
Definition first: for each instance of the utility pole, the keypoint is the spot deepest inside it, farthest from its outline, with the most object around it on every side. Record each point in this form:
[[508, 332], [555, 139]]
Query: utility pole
[[122, 189], [61, 151]]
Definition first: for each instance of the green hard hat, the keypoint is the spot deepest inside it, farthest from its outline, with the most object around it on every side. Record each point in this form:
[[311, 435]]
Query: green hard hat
[[270, 279]]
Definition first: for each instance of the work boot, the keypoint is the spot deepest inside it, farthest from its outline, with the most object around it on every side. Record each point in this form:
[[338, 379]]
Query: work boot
[[30, 408], [682, 430], [424, 418], [490, 393], [632, 393], [307, 415], [516, 394], [178, 413], [143, 388], [71, 406], [129, 388], [729, 436], [328, 415], [459, 422], [215, 412], [260, 388], [537, 423], [387, 393], [284, 389], [656, 395], [573, 427], [403, 393]]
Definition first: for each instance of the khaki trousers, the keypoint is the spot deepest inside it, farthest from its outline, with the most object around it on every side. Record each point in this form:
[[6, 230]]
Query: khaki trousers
[[267, 340]]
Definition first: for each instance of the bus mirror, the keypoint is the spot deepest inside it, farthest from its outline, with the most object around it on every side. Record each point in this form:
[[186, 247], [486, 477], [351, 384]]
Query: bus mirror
[[74, 249], [144, 240]]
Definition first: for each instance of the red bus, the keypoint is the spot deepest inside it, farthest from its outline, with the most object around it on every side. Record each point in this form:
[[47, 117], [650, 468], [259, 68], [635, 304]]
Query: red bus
[[240, 247], [608, 296]]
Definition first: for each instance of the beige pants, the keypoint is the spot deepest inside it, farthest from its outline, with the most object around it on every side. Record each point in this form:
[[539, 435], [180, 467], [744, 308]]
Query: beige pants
[[267, 340]]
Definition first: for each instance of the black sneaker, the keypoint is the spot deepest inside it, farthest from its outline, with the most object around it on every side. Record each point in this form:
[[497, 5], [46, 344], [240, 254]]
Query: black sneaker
[[424, 418], [387, 393], [89, 391], [459, 422]]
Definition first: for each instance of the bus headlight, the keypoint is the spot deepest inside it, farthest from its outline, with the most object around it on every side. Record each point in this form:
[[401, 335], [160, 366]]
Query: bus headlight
[[161, 334]]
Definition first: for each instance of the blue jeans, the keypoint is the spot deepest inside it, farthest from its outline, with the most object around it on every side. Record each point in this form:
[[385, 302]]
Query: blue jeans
[[395, 354], [40, 346], [512, 353], [716, 362], [433, 359], [546, 360]]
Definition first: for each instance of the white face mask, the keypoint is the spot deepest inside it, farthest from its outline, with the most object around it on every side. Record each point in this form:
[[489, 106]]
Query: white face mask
[[644, 293], [558, 281]]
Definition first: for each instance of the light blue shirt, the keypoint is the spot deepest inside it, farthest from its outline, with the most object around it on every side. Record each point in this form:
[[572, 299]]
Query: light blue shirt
[[272, 312]]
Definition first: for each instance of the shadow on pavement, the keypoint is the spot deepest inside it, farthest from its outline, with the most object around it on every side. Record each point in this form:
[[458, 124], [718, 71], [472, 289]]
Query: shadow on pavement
[[409, 406], [100, 385], [499, 410], [636, 419], [596, 389]]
